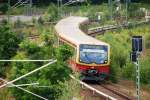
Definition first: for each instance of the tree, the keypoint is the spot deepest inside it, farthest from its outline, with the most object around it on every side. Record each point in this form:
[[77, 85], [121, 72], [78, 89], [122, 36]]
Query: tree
[[51, 13], [3, 8], [50, 76], [8, 45]]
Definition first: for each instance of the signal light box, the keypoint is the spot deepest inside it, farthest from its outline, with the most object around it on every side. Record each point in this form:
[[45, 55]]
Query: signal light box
[[137, 44], [133, 56]]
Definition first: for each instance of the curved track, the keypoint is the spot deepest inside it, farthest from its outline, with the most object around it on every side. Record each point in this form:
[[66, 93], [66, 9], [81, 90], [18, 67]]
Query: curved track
[[112, 91]]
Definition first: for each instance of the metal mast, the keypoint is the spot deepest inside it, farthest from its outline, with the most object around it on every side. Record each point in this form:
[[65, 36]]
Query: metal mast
[[110, 8], [126, 10], [138, 79]]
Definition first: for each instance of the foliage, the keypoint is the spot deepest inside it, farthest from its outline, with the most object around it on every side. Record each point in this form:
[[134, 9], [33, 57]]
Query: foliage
[[17, 11], [51, 13], [129, 71], [3, 8], [5, 94], [51, 76], [120, 41], [40, 21], [8, 45], [145, 71], [70, 89], [118, 55], [18, 23], [63, 53]]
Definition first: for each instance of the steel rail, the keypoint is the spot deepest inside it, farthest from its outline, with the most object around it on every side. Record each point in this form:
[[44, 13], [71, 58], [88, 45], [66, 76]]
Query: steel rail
[[93, 31], [93, 89], [119, 93]]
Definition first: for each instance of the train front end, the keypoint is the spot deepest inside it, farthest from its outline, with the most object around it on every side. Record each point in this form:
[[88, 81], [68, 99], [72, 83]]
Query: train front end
[[93, 61]]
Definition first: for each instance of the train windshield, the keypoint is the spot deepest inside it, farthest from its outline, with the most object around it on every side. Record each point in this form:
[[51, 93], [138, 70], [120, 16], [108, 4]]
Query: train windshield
[[93, 54]]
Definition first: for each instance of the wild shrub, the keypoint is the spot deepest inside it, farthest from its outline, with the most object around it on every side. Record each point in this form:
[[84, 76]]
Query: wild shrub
[[70, 89], [3, 8], [145, 71], [52, 13], [9, 43], [120, 42], [49, 76]]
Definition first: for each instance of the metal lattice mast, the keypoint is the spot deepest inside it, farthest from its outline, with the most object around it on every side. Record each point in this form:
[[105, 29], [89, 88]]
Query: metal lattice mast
[[138, 79], [110, 8], [126, 10], [137, 48]]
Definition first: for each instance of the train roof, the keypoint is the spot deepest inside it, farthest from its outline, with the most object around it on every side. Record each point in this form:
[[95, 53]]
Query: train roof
[[68, 29]]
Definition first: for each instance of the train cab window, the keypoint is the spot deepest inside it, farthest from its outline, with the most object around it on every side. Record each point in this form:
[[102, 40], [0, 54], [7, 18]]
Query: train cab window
[[97, 54]]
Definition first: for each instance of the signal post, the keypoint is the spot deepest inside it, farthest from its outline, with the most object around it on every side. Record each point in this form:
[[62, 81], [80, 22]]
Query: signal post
[[137, 48]]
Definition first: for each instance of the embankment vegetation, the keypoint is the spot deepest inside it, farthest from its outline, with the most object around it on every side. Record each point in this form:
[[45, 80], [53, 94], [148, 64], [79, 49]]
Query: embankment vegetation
[[120, 41]]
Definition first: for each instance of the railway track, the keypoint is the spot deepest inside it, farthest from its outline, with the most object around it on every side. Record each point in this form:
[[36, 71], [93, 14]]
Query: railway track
[[112, 91], [33, 36], [1, 82], [102, 91], [100, 30]]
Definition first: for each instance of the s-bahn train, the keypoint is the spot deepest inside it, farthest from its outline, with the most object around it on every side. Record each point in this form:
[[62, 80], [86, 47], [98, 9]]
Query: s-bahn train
[[91, 56]]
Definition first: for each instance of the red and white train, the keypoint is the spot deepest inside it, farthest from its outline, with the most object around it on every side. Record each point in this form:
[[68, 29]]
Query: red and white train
[[91, 57]]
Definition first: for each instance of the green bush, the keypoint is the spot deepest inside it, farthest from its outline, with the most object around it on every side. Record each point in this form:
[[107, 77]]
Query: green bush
[[114, 72], [129, 71], [70, 89], [120, 42], [63, 53], [52, 13], [145, 71], [3, 8], [51, 76], [9, 42]]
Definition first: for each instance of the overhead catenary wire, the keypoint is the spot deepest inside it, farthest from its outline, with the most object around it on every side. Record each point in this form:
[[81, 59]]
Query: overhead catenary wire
[[25, 90], [72, 1], [21, 4], [26, 60], [25, 75], [22, 85], [17, 3], [20, 1]]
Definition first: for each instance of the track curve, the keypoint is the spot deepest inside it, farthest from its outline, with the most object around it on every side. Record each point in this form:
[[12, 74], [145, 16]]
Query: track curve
[[112, 91]]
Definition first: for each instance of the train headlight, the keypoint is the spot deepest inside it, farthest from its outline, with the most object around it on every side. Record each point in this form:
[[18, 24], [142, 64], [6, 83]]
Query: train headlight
[[105, 61]]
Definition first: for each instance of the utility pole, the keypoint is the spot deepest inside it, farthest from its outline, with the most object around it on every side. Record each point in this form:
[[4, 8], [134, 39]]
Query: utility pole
[[59, 4], [8, 13], [126, 10], [61, 8], [30, 4], [110, 8]]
